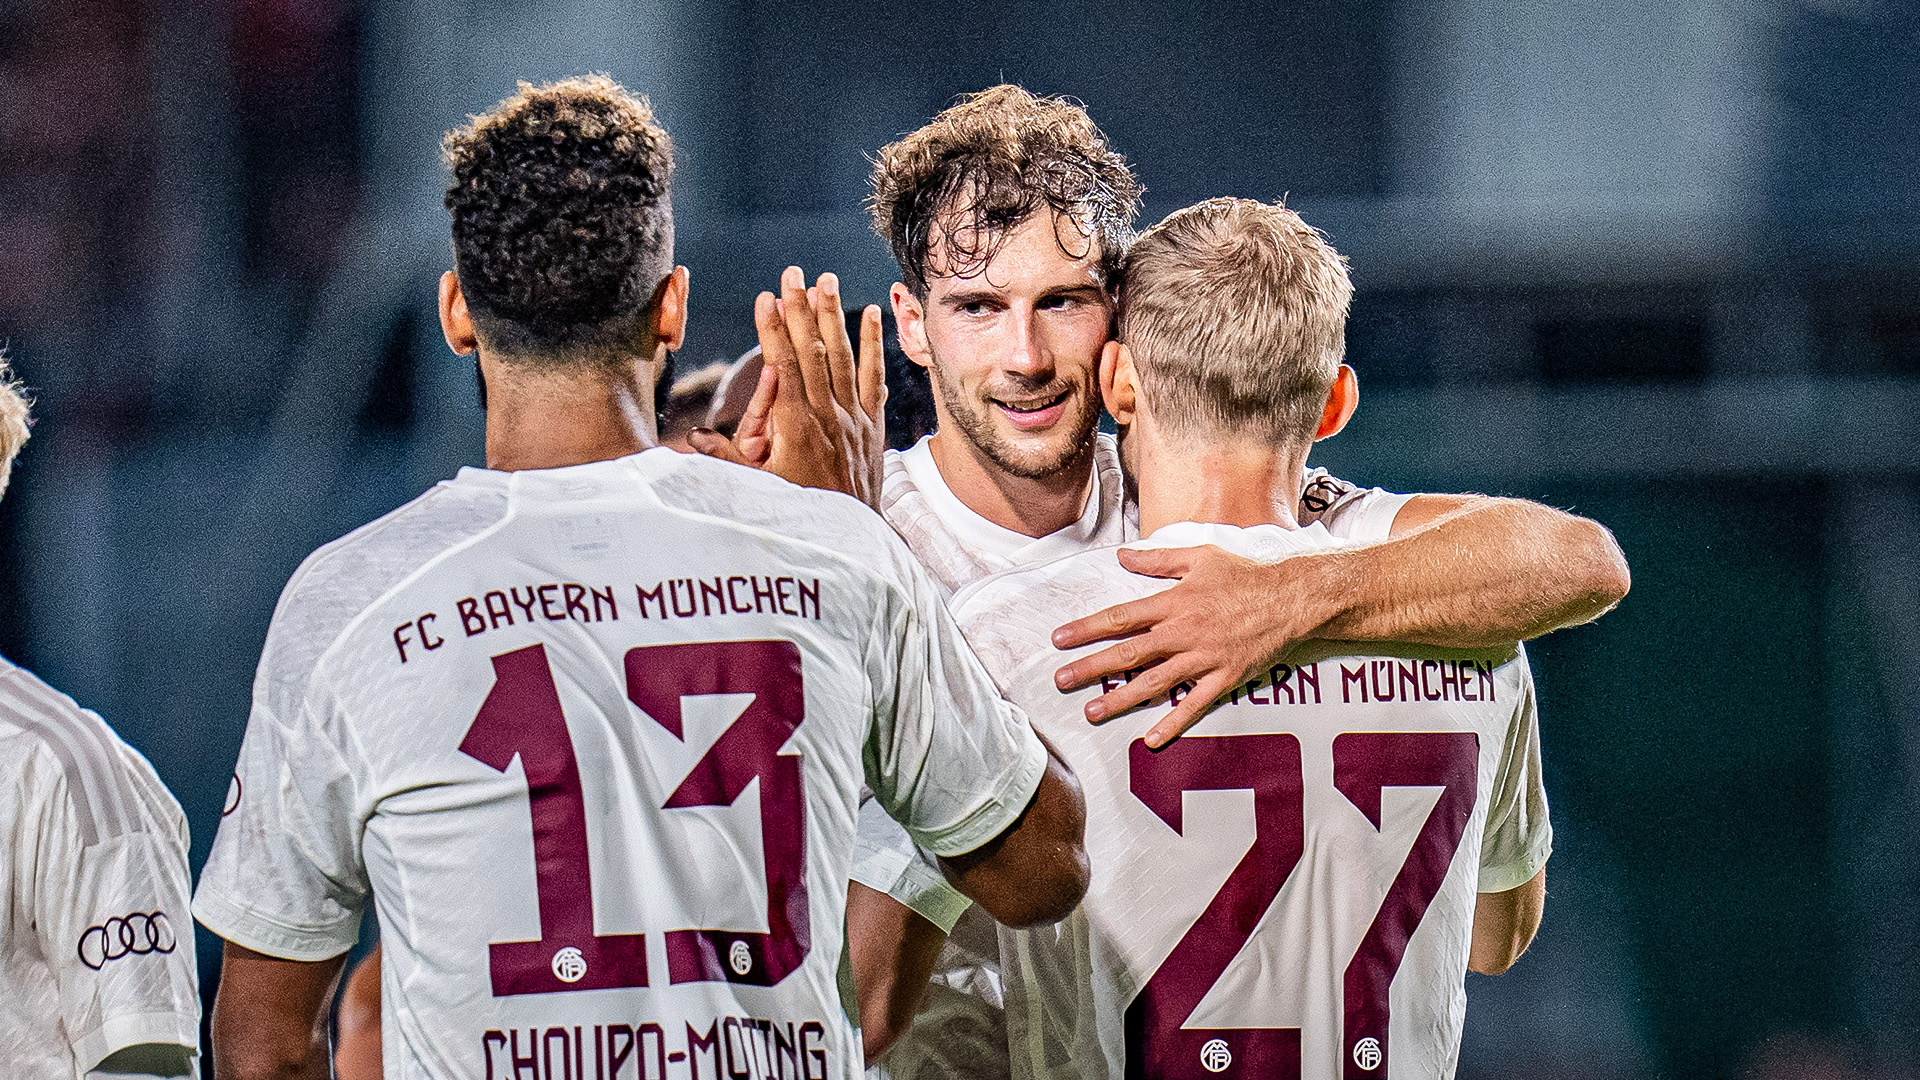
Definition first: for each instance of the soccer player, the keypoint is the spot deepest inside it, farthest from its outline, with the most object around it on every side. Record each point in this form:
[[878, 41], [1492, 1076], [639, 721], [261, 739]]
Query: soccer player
[[1297, 886], [1008, 215], [97, 969], [591, 724]]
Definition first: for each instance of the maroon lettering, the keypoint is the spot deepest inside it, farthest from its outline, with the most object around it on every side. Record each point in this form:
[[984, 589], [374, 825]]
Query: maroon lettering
[[1348, 677], [1377, 668], [740, 1061], [1308, 677], [713, 595], [738, 606], [709, 1042], [486, 1049], [612, 607], [1158, 1046], [522, 718], [658, 676], [426, 636], [1409, 681], [1255, 699], [400, 639], [673, 592], [552, 613], [652, 594], [1365, 763], [566, 1054], [496, 612], [659, 1052], [761, 595], [575, 598], [470, 618], [785, 1052], [1179, 691], [1466, 680], [780, 587], [525, 606], [812, 594], [1449, 680], [530, 1063], [1426, 688], [815, 1057], [1486, 678]]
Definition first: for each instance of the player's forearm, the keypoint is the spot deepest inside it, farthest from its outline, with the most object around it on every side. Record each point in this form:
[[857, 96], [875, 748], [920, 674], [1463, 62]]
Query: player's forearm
[[1036, 871], [1497, 571], [892, 951], [269, 1016], [1504, 924]]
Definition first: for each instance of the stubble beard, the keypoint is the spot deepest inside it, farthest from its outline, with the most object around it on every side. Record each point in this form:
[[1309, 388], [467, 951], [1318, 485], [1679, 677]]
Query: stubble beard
[[976, 423]]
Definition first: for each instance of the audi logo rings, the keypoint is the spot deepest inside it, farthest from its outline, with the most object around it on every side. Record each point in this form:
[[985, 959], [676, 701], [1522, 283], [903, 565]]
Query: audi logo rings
[[135, 934]]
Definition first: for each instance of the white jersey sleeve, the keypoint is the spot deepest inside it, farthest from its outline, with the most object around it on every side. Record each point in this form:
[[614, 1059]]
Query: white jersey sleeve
[[940, 725], [1519, 836], [286, 875], [1350, 513], [99, 948]]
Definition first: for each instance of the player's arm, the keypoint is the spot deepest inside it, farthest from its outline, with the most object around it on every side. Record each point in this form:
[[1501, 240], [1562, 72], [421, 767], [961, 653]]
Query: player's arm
[[1504, 924], [356, 1056], [1459, 571], [892, 950], [1036, 871], [270, 1016]]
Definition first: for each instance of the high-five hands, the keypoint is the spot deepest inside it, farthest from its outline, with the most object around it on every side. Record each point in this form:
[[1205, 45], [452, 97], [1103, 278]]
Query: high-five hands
[[817, 418]]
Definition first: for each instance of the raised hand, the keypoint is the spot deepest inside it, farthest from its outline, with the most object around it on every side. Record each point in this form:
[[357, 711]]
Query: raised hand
[[818, 417]]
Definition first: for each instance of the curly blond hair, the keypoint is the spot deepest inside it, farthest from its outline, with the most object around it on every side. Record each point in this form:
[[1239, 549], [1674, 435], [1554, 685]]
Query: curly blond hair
[[562, 216], [1236, 314], [989, 162], [15, 420]]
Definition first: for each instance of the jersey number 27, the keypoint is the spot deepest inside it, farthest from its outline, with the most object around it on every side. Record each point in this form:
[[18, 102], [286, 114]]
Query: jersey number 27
[[1159, 1046], [522, 718]]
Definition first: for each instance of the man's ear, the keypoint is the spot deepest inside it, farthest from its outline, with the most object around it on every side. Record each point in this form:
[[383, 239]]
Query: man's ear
[[910, 319], [670, 311], [1341, 401], [456, 323], [1119, 382]]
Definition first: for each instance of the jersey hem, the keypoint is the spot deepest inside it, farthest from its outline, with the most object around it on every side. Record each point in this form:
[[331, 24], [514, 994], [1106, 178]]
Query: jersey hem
[[264, 935], [910, 882], [1007, 802], [117, 1033], [1498, 879]]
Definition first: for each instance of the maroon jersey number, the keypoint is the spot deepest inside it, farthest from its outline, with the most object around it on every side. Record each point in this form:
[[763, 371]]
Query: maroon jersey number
[[1159, 1047], [522, 718]]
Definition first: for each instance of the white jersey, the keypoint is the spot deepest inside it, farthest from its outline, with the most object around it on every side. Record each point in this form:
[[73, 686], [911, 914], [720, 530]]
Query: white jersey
[[1288, 890], [959, 1031], [97, 954], [594, 737]]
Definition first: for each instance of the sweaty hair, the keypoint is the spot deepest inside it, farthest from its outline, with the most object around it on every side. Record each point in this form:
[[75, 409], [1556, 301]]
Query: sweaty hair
[[562, 219], [13, 422], [1236, 314], [989, 162]]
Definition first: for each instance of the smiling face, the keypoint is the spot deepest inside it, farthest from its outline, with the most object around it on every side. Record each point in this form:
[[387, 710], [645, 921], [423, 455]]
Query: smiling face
[[1014, 347]]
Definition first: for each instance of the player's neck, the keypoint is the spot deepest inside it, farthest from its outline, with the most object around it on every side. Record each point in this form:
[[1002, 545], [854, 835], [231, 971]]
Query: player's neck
[[1227, 483], [1031, 507], [549, 420]]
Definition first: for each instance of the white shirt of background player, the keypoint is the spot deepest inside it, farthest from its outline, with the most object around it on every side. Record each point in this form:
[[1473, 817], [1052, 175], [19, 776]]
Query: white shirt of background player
[[1376, 869], [96, 946]]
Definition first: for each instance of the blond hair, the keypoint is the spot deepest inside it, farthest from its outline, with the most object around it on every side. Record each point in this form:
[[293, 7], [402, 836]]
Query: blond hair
[[1236, 314], [14, 421]]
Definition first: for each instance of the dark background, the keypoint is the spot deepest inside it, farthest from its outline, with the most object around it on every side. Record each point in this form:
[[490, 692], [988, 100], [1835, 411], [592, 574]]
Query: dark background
[[1648, 260]]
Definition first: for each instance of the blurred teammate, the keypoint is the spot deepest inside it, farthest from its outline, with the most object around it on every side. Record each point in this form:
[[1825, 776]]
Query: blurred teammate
[[1008, 215], [1296, 886], [97, 970], [521, 711]]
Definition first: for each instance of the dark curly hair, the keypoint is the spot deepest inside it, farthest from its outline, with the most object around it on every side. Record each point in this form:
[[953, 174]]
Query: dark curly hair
[[562, 218], [989, 162]]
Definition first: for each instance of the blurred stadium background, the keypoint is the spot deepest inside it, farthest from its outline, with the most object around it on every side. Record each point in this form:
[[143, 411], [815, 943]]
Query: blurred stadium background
[[1655, 262]]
